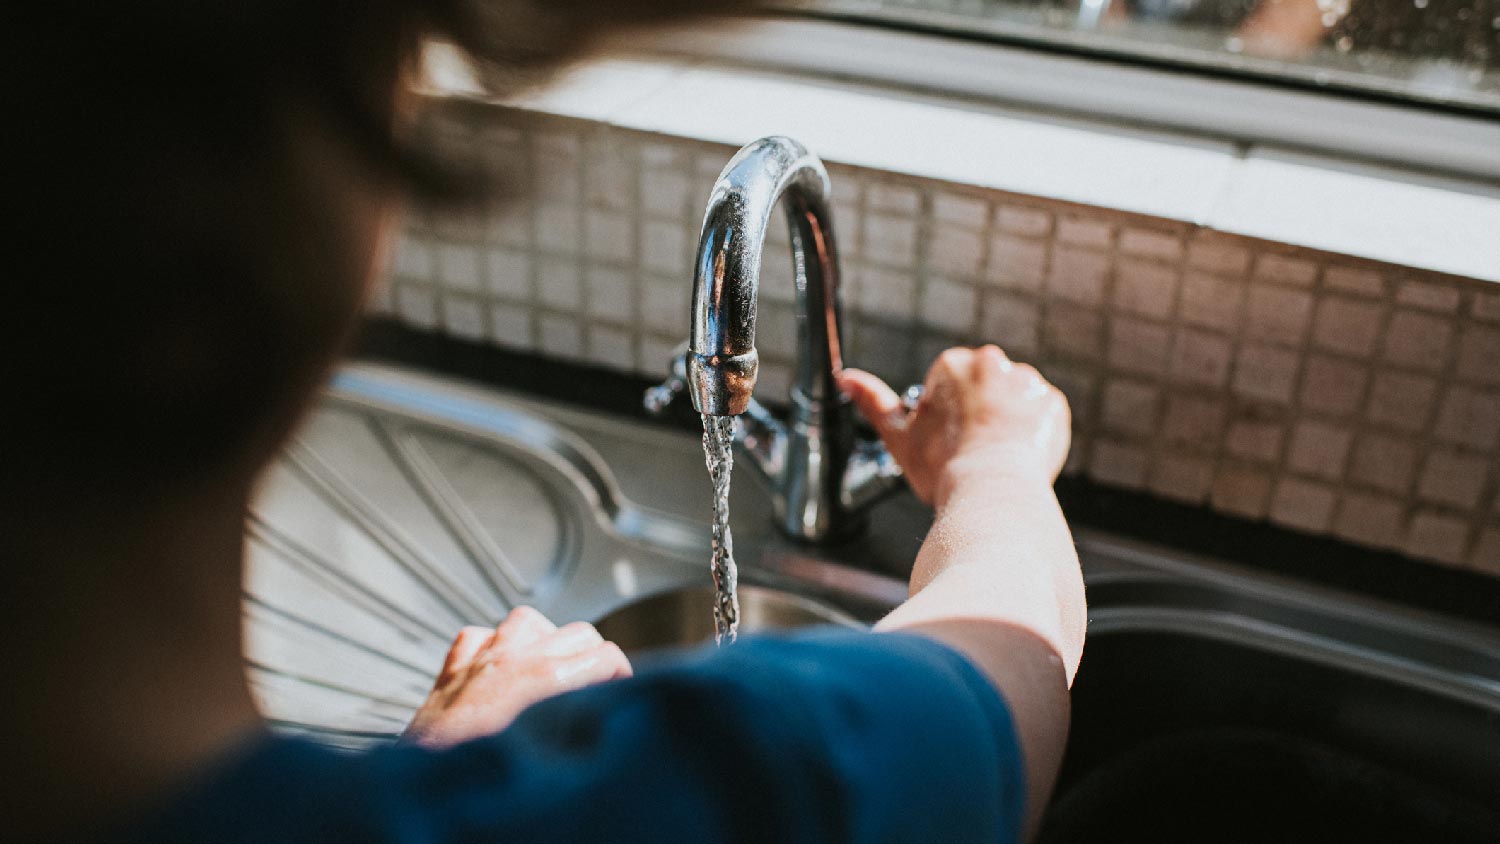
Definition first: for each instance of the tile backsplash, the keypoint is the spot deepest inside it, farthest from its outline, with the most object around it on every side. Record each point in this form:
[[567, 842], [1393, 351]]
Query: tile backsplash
[[1324, 394]]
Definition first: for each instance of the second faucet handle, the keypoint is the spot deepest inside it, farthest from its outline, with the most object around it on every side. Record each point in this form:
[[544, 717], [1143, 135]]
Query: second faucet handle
[[657, 399]]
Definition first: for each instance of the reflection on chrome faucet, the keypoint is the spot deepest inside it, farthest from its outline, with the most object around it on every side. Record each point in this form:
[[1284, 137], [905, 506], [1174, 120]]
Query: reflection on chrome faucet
[[822, 475]]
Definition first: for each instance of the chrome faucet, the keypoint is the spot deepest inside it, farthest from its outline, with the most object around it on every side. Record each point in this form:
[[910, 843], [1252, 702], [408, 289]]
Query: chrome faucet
[[822, 475]]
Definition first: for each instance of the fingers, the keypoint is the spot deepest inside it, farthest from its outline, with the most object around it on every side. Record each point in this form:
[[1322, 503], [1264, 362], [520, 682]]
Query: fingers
[[522, 628], [599, 664], [466, 645], [571, 639], [875, 400]]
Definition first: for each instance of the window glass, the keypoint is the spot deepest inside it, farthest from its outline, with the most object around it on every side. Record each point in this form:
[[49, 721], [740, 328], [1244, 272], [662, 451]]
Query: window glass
[[1441, 52]]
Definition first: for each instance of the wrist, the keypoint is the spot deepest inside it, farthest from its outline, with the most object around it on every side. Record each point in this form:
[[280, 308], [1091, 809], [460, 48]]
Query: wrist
[[1007, 466]]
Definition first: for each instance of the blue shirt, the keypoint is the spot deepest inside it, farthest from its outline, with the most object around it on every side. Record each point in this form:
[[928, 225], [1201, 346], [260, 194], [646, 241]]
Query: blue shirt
[[822, 736]]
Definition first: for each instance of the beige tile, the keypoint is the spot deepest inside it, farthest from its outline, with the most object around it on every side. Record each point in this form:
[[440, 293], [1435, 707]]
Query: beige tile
[[887, 293], [1218, 255], [559, 283], [1081, 231], [611, 347], [560, 336], [1359, 280], [1453, 478], [1139, 347], [1486, 307], [1479, 355], [1131, 407], [665, 248], [1078, 384], [666, 193], [1210, 301], [611, 294], [968, 212], [1078, 276], [509, 273], [458, 266], [1200, 358], [1146, 288], [955, 252], [510, 225], [1074, 331], [949, 305], [1384, 462], [1182, 477], [890, 240], [1418, 340], [464, 317], [1151, 243], [1401, 400], [1265, 373], [1486, 554], [1285, 269], [1332, 385], [1118, 464], [1194, 421], [1470, 418], [664, 305], [610, 236], [1348, 326], [510, 325], [1429, 296], [414, 261], [1277, 315], [1434, 535], [1242, 491], [892, 197], [1319, 449], [1027, 222], [1303, 505], [1017, 262], [1255, 439], [1372, 520], [774, 380], [559, 229], [1011, 321]]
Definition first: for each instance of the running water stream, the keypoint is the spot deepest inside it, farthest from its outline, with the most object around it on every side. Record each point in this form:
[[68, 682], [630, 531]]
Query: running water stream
[[718, 453]]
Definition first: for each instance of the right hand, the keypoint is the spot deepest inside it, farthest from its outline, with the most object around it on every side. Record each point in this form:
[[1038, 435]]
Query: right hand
[[979, 412]]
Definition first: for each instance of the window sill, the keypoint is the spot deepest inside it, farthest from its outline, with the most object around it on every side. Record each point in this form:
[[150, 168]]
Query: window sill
[[1442, 224]]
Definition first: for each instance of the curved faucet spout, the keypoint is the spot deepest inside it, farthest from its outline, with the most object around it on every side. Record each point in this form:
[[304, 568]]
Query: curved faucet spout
[[721, 358]]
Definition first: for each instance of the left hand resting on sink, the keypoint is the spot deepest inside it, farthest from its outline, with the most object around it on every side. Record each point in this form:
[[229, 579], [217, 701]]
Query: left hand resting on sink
[[491, 675]]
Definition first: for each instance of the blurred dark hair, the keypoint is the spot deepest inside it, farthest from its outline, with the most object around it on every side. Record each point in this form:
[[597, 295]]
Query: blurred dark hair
[[185, 181]]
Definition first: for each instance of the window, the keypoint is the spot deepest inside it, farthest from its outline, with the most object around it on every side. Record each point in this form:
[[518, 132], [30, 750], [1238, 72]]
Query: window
[[1442, 53]]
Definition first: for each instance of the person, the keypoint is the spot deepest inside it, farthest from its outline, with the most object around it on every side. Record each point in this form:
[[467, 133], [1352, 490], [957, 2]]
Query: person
[[201, 197]]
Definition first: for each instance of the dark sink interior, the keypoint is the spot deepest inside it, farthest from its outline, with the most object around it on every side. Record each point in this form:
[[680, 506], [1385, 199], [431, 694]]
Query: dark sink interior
[[1178, 737]]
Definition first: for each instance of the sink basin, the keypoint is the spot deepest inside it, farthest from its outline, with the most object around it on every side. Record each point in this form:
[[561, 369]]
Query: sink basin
[[676, 619]]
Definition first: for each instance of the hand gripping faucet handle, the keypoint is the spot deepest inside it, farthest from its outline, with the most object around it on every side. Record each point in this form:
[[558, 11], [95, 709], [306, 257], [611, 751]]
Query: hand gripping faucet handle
[[657, 399]]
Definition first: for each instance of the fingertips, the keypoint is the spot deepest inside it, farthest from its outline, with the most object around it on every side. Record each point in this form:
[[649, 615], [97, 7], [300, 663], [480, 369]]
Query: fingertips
[[522, 627], [598, 664], [572, 639], [874, 398], [466, 645]]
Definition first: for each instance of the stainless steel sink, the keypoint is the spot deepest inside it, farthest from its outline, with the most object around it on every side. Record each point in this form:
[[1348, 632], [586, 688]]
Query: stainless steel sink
[[675, 619], [413, 505]]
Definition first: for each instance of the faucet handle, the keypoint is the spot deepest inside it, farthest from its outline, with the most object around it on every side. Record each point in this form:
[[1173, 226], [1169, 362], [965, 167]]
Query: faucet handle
[[657, 399], [871, 474]]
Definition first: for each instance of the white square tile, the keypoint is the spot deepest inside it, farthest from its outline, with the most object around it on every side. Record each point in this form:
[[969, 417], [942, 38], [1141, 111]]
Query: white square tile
[[414, 259], [1023, 221], [1219, 255], [559, 229], [1401, 400], [1131, 407], [773, 381], [611, 347], [1265, 373], [1146, 288], [610, 236], [1010, 321], [1256, 439], [1151, 243], [1079, 276], [887, 293], [1348, 326], [560, 336], [1417, 340], [967, 212], [611, 294], [1210, 301], [1454, 478], [1138, 346], [1384, 462], [1333, 385], [510, 273], [893, 197], [558, 284], [890, 240], [1319, 449], [1285, 269], [1182, 477], [510, 325], [657, 355], [610, 172], [949, 305], [1243, 491], [1437, 536], [1362, 281], [1479, 355], [1303, 505], [463, 317], [1017, 262], [417, 305], [510, 224], [955, 252], [664, 248], [1118, 464], [665, 194], [1372, 520], [1278, 315], [1201, 358], [664, 305], [1429, 296], [458, 266], [1073, 331], [1194, 421], [1082, 231], [1469, 418]]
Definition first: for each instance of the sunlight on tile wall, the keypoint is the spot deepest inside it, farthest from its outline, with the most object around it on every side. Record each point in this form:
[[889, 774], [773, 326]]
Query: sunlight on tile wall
[[1322, 394]]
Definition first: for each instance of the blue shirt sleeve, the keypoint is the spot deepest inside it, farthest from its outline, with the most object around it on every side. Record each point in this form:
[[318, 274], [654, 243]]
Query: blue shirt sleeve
[[824, 736]]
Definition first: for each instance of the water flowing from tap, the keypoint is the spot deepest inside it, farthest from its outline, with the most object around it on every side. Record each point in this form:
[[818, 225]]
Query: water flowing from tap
[[718, 453]]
